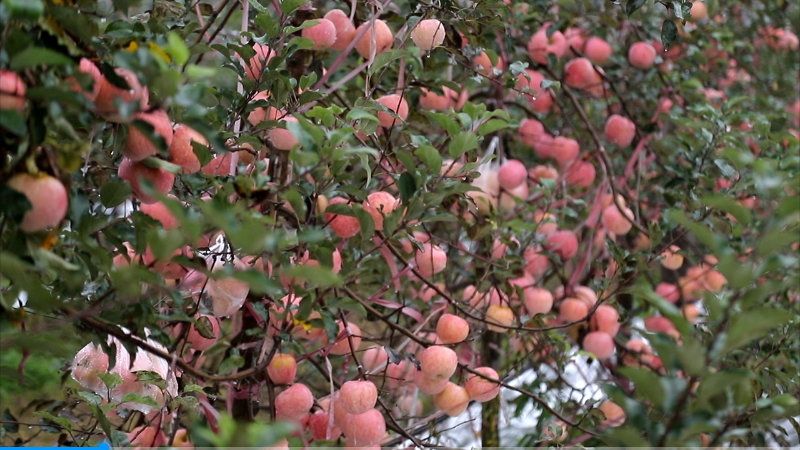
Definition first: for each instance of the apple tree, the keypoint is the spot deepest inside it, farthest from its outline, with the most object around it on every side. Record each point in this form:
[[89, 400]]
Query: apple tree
[[389, 223]]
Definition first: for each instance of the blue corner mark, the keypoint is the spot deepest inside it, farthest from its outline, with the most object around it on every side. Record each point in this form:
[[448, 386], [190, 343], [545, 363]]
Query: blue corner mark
[[104, 445]]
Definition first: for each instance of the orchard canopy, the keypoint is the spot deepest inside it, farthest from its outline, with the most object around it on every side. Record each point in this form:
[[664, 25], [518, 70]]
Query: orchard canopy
[[391, 223]]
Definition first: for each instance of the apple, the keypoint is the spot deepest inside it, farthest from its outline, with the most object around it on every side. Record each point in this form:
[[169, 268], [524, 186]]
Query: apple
[[428, 33], [48, 198], [345, 30], [109, 95], [642, 55], [323, 34], [358, 397], [294, 402], [540, 45], [597, 50], [137, 145], [282, 369], [377, 44], [12, 91]]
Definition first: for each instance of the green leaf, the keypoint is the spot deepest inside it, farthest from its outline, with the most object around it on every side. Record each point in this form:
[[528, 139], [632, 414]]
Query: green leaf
[[700, 230], [729, 205], [325, 115], [114, 193], [778, 240], [385, 58], [39, 56], [111, 380], [193, 388], [720, 381], [669, 32], [445, 121], [92, 399], [176, 48], [348, 304], [689, 355], [13, 121], [491, 126], [366, 222], [316, 276], [24, 9], [677, 10], [51, 260], [158, 163], [10, 423], [259, 7], [752, 324], [149, 377], [431, 157], [738, 274], [13, 203], [231, 363], [290, 6], [408, 187], [646, 383], [268, 24], [62, 422], [137, 398], [463, 143]]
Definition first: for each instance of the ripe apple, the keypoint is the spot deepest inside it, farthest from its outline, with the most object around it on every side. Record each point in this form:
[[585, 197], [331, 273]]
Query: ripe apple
[[283, 139], [431, 259], [614, 414], [365, 429], [378, 205], [109, 95], [282, 369], [136, 171], [181, 151], [642, 55], [379, 43], [438, 363], [358, 397], [343, 226], [620, 130], [484, 65], [541, 100], [398, 105], [480, 389], [563, 243], [137, 145], [497, 315], [323, 34], [345, 30], [12, 91], [48, 198], [540, 45], [599, 343], [453, 400], [259, 61], [294, 402], [597, 50], [428, 33], [452, 329]]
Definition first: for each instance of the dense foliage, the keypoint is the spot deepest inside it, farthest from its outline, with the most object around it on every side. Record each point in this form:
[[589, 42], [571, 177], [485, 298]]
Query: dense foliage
[[236, 223]]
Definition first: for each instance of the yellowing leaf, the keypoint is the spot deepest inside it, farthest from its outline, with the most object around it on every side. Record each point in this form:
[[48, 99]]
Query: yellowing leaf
[[303, 323]]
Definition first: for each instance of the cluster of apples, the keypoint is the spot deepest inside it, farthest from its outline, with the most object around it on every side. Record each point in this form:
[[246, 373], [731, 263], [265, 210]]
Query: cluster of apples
[[336, 31], [91, 361], [351, 410]]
